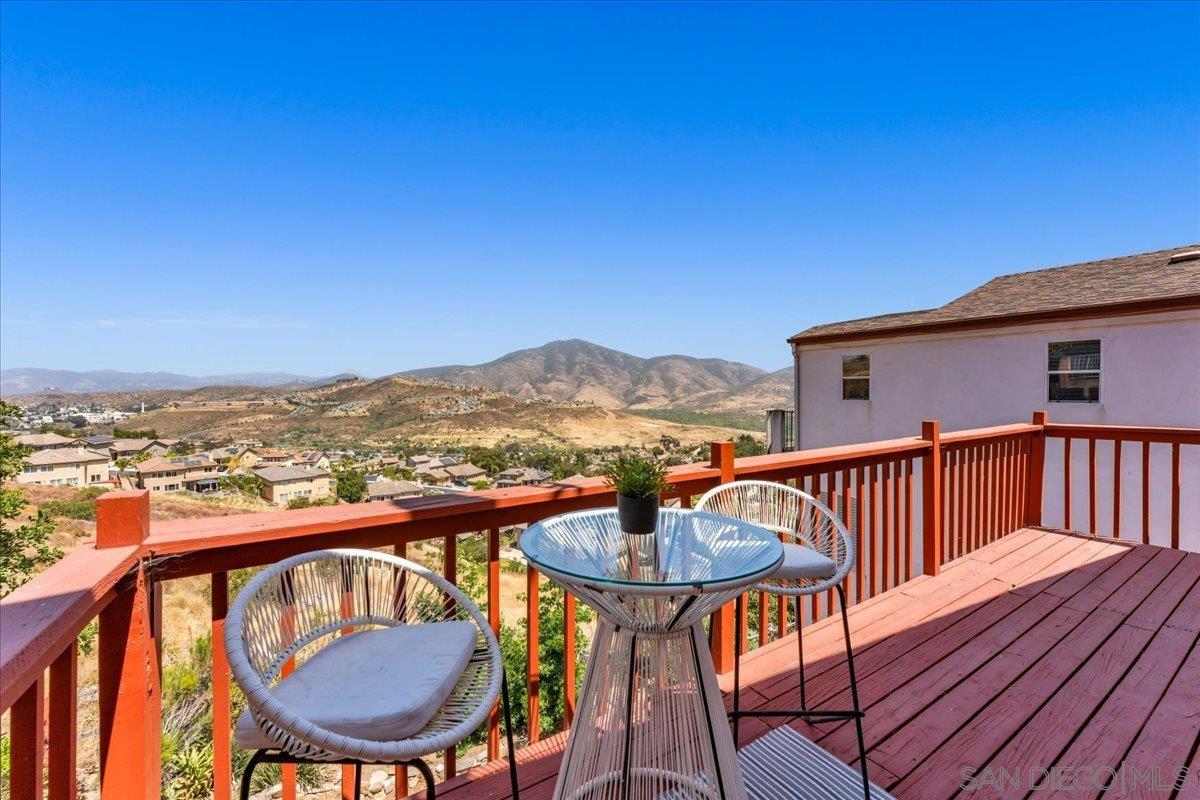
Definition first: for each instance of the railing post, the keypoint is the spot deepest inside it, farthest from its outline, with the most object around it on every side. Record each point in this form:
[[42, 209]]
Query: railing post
[[27, 727], [931, 497], [721, 636], [130, 692], [1037, 469]]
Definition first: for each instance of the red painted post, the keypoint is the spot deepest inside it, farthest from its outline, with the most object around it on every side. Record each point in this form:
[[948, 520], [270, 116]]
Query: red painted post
[[64, 681], [721, 457], [27, 724], [931, 497], [569, 656], [122, 518], [222, 744], [533, 668], [1037, 468], [130, 696]]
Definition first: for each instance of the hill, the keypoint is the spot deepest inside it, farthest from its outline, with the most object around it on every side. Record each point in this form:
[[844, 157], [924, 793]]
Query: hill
[[396, 408], [33, 380], [579, 371]]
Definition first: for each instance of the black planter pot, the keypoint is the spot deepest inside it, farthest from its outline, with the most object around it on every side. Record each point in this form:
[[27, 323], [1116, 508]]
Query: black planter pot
[[638, 514]]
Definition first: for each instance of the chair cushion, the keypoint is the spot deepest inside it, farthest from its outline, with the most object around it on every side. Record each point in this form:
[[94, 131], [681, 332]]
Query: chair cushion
[[804, 563], [383, 684]]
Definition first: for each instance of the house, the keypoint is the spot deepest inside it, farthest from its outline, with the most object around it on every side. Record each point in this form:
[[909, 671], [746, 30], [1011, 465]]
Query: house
[[45, 441], [62, 466], [311, 459], [417, 461], [130, 448], [282, 484], [393, 490], [264, 457], [1107, 342], [521, 476], [438, 476], [180, 473], [389, 462], [464, 474]]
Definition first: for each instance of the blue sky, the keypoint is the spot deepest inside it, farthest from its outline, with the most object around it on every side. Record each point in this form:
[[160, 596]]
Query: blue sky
[[312, 188]]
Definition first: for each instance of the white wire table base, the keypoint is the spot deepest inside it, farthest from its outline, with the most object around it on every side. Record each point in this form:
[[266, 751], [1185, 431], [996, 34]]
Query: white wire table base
[[650, 724]]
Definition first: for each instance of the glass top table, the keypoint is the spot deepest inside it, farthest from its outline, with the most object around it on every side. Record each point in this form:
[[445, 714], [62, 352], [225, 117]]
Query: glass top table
[[691, 552], [650, 721]]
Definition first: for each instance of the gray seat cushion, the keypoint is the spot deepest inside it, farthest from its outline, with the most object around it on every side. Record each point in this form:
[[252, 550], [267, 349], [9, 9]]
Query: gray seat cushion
[[383, 684], [804, 563]]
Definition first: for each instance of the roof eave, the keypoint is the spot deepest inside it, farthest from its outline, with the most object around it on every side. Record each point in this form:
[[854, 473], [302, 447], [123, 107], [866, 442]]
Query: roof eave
[[1177, 303]]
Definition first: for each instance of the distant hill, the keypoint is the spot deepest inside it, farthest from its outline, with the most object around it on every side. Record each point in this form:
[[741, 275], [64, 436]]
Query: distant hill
[[32, 380], [575, 370]]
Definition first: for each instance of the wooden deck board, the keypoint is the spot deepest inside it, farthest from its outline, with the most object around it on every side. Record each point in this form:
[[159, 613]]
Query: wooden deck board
[[1040, 650]]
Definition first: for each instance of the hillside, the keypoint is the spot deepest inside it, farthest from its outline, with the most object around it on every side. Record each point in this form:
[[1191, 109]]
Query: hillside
[[575, 370], [32, 380], [398, 407]]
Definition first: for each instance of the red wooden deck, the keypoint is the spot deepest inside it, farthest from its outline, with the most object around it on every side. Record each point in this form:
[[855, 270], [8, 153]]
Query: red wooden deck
[[1041, 651]]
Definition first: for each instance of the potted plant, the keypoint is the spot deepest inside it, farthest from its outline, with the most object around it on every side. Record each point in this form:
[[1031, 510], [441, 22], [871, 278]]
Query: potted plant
[[639, 482]]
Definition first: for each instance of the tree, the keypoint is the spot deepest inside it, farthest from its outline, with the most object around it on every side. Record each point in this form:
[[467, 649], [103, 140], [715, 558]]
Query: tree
[[24, 549], [351, 486], [746, 445]]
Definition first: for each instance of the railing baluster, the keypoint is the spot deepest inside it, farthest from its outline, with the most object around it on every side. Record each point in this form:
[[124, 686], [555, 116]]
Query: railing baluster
[[931, 498], [908, 518], [64, 680], [532, 655], [873, 558], [1066, 484], [221, 722], [977, 459], [1092, 486], [27, 723], [401, 773], [1175, 495], [450, 573], [831, 501], [1145, 493], [897, 479], [569, 656], [493, 616], [886, 551], [860, 566], [953, 549], [1116, 524], [960, 472]]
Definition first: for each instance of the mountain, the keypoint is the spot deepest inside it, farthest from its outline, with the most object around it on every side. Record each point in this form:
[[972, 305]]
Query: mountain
[[396, 408], [31, 380], [575, 370]]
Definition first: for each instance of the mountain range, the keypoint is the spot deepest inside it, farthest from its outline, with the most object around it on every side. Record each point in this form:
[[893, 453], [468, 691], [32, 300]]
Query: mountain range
[[572, 370], [580, 371], [33, 380]]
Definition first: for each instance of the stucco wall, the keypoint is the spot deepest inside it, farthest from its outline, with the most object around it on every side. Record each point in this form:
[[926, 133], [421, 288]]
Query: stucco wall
[[1150, 376]]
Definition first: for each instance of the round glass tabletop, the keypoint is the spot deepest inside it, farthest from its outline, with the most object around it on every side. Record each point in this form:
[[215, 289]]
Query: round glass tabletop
[[690, 552]]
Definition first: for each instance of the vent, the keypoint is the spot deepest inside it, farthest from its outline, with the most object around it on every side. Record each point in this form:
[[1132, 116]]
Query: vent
[[1186, 255]]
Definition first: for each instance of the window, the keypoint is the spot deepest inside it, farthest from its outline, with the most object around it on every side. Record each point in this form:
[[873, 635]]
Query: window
[[1074, 372], [856, 377]]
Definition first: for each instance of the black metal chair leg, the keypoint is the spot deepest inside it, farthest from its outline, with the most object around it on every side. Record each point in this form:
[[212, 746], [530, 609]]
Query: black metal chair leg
[[426, 775], [800, 646], [358, 782], [512, 752], [858, 728], [248, 773], [737, 668]]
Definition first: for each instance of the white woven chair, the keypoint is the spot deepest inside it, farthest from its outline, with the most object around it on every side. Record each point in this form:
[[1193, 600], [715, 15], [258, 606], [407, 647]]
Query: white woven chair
[[818, 554], [420, 673]]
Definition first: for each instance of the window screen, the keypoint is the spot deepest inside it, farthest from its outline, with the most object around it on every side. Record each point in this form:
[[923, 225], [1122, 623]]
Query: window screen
[[1074, 372]]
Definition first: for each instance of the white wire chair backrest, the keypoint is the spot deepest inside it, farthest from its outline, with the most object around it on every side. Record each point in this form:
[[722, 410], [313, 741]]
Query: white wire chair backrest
[[795, 515], [291, 607]]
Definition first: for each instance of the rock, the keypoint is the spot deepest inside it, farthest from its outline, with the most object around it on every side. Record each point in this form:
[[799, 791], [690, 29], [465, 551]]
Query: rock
[[378, 779]]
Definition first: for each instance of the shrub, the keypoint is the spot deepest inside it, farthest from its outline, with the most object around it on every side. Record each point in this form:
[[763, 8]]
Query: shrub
[[72, 509]]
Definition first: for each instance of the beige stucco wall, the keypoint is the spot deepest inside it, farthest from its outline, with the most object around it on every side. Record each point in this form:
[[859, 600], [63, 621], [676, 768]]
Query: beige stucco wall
[[76, 474], [281, 492]]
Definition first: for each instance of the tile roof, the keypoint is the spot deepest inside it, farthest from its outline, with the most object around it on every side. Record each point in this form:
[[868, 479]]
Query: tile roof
[[274, 474], [42, 439], [390, 488], [133, 445], [1146, 277], [64, 455]]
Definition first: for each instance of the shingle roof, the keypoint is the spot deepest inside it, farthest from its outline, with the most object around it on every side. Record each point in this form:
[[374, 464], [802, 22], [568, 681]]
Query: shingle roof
[[1094, 285], [274, 474], [63, 455], [133, 445], [464, 470]]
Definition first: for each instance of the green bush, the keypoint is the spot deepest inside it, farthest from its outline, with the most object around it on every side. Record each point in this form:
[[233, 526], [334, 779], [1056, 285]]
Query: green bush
[[90, 492], [72, 509]]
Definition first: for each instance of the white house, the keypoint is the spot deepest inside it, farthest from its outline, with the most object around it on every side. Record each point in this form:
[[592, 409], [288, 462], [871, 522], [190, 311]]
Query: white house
[[1113, 342]]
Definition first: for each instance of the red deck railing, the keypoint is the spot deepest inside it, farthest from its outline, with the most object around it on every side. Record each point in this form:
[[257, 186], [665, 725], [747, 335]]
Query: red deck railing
[[914, 504]]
